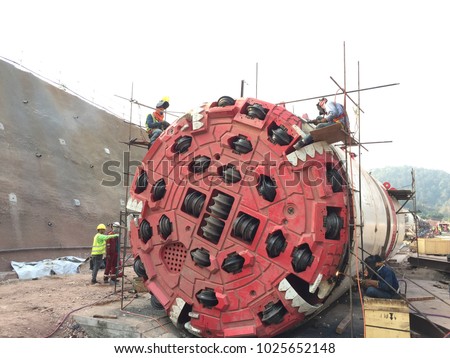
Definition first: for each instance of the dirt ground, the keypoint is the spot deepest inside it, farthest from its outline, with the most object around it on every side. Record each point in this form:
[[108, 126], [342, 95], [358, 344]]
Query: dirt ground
[[42, 308]]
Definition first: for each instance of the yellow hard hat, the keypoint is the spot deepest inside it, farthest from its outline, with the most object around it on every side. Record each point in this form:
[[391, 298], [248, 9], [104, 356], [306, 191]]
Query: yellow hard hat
[[101, 226], [163, 103]]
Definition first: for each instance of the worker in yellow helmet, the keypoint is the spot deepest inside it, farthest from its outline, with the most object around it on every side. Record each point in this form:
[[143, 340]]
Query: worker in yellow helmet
[[155, 123], [99, 249]]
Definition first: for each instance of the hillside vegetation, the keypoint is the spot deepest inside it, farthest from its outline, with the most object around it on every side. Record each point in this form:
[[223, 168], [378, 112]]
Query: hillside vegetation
[[432, 189]]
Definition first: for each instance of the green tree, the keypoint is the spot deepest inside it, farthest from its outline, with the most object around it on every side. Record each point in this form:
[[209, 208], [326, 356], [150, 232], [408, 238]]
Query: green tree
[[432, 188]]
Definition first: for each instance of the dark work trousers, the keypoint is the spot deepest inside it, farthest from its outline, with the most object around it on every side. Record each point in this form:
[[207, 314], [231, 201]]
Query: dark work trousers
[[153, 136], [97, 262], [377, 293]]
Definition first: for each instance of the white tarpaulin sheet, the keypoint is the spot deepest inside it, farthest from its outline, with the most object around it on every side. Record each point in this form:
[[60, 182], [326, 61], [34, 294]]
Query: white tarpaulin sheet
[[60, 266]]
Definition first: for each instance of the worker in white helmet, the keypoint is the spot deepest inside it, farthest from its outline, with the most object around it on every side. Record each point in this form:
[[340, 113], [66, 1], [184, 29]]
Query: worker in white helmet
[[331, 112], [113, 267], [99, 249]]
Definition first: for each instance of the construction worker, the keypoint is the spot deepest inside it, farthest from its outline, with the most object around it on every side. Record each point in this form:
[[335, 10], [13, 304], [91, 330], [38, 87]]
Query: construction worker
[[155, 123], [112, 267], [329, 113], [383, 283], [99, 249]]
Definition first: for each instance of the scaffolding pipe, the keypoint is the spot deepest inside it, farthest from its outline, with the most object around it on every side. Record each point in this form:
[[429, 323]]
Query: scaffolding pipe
[[349, 198], [334, 94], [126, 175]]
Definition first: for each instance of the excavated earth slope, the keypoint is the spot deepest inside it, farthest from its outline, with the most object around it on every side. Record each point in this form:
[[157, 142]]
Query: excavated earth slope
[[61, 169]]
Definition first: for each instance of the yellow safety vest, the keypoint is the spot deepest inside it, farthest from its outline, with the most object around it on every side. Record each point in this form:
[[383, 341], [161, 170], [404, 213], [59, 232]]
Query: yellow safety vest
[[99, 243]]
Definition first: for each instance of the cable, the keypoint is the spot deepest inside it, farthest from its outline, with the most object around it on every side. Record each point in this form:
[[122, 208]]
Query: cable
[[75, 310], [423, 288], [437, 315], [141, 315]]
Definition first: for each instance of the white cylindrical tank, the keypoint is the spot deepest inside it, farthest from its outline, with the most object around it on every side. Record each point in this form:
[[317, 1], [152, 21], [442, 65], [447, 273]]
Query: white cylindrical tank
[[378, 227]]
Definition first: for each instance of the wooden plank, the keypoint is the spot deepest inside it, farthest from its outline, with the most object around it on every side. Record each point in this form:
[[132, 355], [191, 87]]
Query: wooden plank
[[425, 298], [435, 246], [385, 305], [377, 332], [138, 284], [331, 134], [104, 316], [386, 318], [344, 324]]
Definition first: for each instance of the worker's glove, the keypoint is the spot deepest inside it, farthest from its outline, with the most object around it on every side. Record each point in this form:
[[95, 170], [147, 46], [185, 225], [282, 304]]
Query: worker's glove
[[164, 125], [158, 125], [313, 121], [364, 283]]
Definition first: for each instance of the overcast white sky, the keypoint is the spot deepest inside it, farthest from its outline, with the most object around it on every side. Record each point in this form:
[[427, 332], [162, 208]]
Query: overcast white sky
[[196, 51]]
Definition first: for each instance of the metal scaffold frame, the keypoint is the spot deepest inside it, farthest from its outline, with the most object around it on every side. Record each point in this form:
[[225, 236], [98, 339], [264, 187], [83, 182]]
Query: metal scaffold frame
[[123, 234], [349, 141]]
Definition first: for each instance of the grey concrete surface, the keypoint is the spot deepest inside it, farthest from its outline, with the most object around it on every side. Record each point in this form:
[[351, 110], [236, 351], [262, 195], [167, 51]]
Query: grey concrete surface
[[133, 318], [138, 319]]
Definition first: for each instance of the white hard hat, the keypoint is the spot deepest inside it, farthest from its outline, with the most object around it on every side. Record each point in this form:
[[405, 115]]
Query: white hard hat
[[116, 224]]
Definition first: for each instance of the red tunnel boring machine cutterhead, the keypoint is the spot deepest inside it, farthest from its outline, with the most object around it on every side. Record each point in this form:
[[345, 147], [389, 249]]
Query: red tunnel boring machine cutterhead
[[235, 232]]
